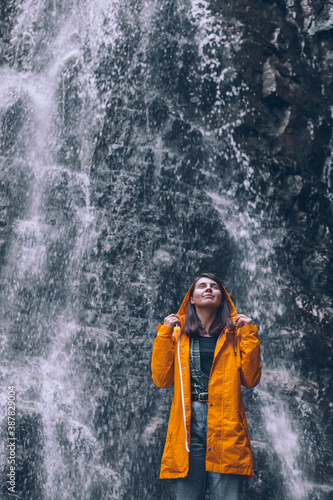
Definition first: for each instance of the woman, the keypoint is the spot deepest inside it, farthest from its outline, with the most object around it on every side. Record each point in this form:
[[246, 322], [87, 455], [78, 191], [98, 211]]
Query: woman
[[207, 350]]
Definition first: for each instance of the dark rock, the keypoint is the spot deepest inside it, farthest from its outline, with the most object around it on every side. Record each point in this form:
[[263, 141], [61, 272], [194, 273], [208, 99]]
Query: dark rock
[[158, 113]]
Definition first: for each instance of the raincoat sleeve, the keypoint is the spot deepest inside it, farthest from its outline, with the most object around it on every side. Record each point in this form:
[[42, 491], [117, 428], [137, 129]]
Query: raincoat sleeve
[[250, 356], [162, 358]]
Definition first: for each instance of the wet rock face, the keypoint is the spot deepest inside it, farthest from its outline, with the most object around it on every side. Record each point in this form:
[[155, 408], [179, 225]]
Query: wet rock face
[[273, 101], [197, 137]]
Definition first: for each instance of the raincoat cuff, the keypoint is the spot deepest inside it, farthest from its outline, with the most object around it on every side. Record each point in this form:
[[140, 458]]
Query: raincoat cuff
[[164, 331], [246, 329]]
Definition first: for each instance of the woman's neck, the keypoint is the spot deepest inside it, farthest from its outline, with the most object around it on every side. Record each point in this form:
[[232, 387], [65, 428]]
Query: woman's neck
[[207, 317]]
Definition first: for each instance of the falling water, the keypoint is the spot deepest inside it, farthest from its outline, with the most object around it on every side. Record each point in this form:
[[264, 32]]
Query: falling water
[[40, 278]]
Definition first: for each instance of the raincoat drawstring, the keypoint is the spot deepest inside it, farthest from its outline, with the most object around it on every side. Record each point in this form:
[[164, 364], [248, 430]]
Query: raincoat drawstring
[[176, 330]]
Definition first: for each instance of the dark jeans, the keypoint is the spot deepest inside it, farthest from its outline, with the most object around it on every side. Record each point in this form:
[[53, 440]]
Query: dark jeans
[[193, 486]]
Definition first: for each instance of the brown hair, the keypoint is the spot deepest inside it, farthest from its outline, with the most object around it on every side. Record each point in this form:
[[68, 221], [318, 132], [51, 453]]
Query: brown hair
[[193, 325]]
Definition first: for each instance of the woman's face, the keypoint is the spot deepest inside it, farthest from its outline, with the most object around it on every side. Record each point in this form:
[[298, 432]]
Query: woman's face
[[206, 294]]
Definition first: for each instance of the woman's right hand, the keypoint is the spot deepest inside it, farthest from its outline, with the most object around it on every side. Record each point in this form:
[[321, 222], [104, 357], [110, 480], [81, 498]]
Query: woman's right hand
[[172, 320]]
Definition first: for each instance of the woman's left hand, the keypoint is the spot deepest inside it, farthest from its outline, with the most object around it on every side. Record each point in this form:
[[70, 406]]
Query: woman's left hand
[[241, 320]]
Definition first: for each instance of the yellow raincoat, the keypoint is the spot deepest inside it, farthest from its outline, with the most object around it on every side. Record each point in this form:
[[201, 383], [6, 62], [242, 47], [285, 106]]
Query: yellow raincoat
[[236, 362]]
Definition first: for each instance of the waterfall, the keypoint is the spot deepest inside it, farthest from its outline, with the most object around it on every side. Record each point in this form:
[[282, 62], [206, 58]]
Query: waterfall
[[54, 85], [142, 142]]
